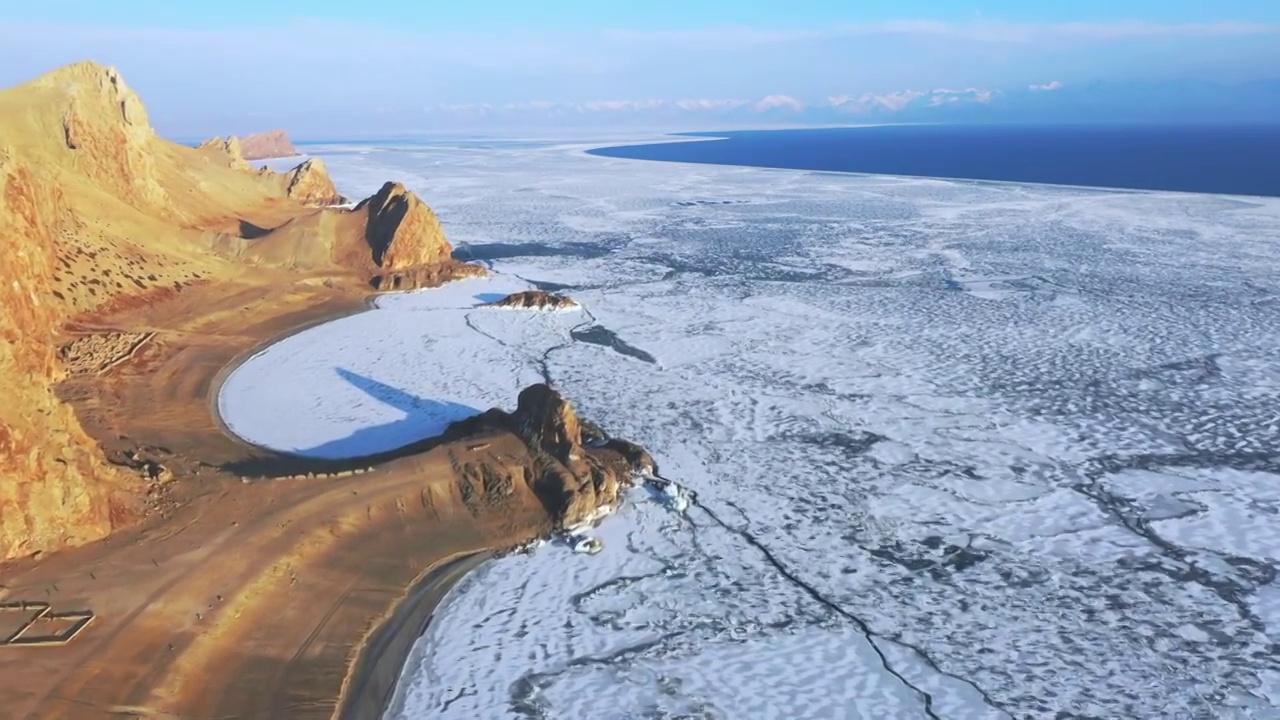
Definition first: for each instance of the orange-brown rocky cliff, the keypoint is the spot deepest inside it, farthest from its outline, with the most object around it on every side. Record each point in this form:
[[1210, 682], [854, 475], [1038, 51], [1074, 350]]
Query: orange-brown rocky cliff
[[99, 215]]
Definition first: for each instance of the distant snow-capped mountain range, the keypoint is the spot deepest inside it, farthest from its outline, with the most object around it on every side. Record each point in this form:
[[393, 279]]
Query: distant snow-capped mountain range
[[1049, 101]]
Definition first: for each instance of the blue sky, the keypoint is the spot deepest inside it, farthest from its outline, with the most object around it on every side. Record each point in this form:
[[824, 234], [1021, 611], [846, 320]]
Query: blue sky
[[335, 67], [635, 14]]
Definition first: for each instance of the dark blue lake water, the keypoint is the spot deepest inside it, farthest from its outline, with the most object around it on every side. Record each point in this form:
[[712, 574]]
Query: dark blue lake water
[[1243, 160]]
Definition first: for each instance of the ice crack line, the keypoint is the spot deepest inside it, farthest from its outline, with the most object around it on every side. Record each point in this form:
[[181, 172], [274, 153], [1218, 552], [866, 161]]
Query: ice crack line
[[544, 362], [525, 691], [835, 607], [1123, 511]]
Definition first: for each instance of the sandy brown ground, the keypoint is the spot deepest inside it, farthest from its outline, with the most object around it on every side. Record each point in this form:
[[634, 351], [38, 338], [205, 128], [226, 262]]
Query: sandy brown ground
[[241, 594]]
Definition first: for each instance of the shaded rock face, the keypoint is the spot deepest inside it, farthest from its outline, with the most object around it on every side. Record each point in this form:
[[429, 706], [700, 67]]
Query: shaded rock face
[[266, 145], [402, 231], [536, 300], [310, 183], [572, 476], [548, 422], [406, 242]]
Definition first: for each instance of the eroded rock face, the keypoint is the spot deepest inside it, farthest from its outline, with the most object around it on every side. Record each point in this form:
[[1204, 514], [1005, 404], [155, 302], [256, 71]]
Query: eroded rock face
[[406, 243], [548, 422], [310, 183], [402, 231], [54, 490], [105, 124], [266, 145], [536, 300], [573, 479]]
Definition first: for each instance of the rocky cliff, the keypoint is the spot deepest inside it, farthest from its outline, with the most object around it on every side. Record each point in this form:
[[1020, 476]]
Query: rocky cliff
[[573, 473], [55, 489], [100, 217], [406, 241], [309, 183], [392, 238]]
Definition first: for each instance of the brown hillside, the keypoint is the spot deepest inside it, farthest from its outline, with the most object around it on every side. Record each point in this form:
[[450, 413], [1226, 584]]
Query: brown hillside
[[99, 216]]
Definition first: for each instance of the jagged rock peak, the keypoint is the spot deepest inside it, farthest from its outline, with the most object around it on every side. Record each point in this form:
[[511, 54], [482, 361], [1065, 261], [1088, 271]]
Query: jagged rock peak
[[310, 183], [536, 300], [402, 231]]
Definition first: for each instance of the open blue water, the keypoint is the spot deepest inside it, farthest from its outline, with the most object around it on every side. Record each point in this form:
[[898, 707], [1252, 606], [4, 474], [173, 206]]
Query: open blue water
[[1237, 160]]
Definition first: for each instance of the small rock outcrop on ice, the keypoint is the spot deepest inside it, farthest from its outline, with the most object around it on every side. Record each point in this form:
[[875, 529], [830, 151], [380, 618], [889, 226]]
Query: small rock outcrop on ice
[[575, 482], [536, 300]]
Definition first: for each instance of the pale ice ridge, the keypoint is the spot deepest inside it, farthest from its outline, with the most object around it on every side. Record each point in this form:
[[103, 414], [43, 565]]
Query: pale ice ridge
[[1020, 441]]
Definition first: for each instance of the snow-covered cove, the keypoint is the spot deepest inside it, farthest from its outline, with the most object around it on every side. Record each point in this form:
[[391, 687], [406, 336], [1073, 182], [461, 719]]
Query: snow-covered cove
[[948, 449]]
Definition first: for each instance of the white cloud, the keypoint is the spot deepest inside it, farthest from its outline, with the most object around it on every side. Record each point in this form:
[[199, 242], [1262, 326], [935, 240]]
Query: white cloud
[[206, 82], [1054, 85], [779, 101], [736, 37]]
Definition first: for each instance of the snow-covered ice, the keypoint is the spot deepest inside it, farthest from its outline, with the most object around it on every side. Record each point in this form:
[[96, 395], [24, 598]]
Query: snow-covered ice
[[397, 373], [944, 449]]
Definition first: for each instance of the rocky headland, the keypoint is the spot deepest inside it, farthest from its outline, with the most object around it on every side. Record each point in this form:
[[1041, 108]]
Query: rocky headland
[[268, 145], [223, 579]]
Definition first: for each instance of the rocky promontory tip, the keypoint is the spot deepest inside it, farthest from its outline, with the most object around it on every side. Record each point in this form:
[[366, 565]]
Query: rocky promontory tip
[[259, 146], [574, 477], [408, 246], [536, 300]]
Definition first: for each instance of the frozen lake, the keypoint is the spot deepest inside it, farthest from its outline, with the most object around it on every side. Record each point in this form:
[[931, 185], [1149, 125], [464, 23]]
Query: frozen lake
[[958, 450]]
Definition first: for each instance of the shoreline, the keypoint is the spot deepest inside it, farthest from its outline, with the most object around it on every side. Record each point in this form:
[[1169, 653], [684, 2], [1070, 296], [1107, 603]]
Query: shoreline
[[672, 139], [372, 685], [273, 597]]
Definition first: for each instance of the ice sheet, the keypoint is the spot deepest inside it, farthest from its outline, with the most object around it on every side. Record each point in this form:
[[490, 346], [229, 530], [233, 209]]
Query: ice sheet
[[955, 450]]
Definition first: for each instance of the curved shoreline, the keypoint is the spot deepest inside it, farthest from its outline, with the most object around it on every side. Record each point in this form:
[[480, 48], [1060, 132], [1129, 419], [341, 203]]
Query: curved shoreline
[[220, 378], [371, 681], [300, 597], [371, 686]]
